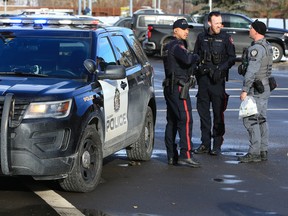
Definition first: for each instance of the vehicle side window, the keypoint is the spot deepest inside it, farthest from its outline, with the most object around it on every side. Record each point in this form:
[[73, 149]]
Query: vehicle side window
[[126, 57], [105, 54], [225, 21], [138, 49], [142, 22], [243, 23], [235, 22], [127, 23]]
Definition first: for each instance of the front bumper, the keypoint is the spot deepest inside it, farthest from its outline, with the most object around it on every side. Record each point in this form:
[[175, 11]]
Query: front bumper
[[42, 148]]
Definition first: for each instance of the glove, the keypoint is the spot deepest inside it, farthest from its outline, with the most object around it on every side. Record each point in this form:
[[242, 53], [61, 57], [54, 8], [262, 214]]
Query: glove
[[216, 77], [196, 58]]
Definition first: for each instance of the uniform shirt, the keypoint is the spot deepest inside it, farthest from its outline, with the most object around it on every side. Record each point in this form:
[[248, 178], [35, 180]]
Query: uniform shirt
[[260, 58], [221, 44], [177, 59]]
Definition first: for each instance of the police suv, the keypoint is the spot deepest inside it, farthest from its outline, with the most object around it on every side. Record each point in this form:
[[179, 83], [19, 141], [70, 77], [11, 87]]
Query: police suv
[[72, 92]]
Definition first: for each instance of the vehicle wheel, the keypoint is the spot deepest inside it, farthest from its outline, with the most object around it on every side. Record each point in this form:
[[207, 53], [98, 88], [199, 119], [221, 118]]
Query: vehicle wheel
[[143, 147], [277, 52], [87, 169]]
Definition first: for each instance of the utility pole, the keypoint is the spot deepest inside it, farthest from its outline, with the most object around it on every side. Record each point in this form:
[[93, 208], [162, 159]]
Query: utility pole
[[5, 6], [131, 8], [210, 5], [79, 6], [183, 11], [90, 7]]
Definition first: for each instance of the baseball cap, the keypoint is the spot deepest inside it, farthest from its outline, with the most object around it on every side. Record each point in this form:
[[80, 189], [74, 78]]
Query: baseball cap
[[259, 27], [181, 23]]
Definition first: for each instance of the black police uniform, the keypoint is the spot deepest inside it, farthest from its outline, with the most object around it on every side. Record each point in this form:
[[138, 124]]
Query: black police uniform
[[177, 62], [217, 56]]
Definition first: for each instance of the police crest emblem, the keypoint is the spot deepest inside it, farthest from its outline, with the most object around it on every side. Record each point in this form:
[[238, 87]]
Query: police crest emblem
[[116, 100], [254, 52]]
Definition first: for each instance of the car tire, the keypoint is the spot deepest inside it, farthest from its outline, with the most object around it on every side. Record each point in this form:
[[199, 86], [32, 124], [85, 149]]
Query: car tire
[[277, 52], [143, 147], [86, 172]]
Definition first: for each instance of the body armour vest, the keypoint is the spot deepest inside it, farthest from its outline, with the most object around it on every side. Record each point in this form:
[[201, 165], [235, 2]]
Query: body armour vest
[[267, 61], [213, 49]]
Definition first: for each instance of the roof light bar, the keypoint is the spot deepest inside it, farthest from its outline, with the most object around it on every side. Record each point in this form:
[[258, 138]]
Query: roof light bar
[[48, 21], [40, 21], [12, 21]]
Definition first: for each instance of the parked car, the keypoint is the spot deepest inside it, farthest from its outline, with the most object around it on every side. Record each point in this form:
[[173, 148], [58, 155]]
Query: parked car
[[237, 25], [124, 22], [140, 22], [148, 11]]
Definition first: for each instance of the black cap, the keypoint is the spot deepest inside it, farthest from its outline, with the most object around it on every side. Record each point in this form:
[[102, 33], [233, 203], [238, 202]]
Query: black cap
[[181, 23], [259, 27]]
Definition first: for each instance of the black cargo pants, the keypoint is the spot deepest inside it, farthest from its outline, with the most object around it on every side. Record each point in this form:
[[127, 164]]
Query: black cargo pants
[[211, 95], [179, 119]]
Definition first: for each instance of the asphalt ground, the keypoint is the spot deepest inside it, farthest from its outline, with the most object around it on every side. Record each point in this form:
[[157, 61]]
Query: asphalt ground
[[222, 186]]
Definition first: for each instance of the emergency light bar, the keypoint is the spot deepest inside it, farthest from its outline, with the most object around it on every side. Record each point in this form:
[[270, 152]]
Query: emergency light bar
[[16, 20]]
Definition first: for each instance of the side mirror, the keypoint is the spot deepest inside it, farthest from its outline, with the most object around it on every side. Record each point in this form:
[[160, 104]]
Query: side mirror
[[113, 72], [90, 66]]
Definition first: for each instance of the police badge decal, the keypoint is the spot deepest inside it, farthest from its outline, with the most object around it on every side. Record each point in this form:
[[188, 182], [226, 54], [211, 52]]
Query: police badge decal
[[116, 100], [254, 52]]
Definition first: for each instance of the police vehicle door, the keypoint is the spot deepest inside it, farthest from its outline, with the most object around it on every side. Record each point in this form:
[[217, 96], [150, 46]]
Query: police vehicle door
[[115, 93], [137, 81]]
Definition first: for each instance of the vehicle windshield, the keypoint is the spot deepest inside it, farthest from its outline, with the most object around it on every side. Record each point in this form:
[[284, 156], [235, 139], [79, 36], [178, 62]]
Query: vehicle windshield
[[50, 57]]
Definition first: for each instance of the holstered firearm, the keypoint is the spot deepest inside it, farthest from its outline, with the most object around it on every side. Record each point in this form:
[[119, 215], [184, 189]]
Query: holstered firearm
[[186, 86], [242, 68], [258, 86]]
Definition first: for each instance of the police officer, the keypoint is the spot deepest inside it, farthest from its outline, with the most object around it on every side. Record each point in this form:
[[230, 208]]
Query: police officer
[[256, 84], [217, 56], [177, 64]]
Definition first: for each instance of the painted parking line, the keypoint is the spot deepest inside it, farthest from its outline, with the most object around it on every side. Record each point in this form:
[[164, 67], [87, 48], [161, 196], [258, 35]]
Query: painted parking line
[[235, 96], [234, 110], [54, 200], [227, 89]]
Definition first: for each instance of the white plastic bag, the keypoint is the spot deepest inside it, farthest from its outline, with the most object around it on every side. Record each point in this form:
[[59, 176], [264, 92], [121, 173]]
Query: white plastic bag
[[248, 107]]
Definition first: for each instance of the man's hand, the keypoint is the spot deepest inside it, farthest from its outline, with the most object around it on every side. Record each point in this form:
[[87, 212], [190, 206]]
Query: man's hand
[[196, 59], [243, 95]]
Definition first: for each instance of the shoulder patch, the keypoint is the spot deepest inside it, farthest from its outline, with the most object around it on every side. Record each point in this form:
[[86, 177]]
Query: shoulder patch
[[182, 47], [254, 52]]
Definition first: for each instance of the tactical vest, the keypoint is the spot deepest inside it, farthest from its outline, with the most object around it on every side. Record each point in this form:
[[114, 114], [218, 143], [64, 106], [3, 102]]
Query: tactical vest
[[213, 50], [267, 61]]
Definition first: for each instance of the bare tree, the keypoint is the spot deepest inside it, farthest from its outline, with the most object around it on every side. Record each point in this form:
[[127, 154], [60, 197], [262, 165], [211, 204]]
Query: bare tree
[[268, 8]]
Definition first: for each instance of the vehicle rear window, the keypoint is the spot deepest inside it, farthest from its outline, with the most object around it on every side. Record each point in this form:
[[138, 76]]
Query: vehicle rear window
[[145, 20]]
